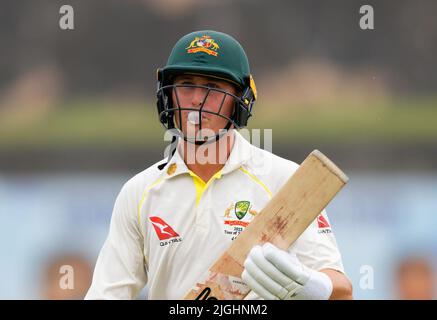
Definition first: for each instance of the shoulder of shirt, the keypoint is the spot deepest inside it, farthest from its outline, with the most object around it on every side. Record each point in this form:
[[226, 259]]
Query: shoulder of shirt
[[142, 180], [270, 168]]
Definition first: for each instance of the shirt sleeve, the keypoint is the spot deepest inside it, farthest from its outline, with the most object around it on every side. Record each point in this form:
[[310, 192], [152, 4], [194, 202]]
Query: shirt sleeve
[[120, 271], [317, 248]]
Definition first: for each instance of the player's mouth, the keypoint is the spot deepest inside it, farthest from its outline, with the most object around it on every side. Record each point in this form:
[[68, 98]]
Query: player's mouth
[[194, 119]]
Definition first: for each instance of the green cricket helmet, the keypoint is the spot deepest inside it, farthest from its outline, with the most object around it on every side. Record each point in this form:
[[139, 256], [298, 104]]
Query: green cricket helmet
[[213, 54]]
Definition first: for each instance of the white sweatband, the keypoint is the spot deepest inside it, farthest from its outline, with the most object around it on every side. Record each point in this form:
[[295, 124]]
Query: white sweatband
[[318, 287]]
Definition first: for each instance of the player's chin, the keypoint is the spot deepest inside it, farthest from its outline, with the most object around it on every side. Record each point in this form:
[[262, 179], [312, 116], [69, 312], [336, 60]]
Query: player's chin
[[204, 135]]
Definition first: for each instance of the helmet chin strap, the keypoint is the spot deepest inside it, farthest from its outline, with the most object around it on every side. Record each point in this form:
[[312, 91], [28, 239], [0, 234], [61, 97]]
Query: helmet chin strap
[[217, 137], [173, 146]]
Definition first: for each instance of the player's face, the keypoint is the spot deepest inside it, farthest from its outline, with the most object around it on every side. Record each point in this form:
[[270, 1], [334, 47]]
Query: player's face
[[187, 95]]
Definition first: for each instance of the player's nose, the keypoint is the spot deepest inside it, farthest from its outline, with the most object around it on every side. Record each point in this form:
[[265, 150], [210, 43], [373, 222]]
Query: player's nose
[[198, 97]]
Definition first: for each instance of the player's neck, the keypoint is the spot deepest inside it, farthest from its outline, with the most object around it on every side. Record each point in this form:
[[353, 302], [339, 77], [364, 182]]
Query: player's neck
[[207, 160]]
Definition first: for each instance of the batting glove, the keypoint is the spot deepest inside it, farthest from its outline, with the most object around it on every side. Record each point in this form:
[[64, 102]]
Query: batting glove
[[275, 274]]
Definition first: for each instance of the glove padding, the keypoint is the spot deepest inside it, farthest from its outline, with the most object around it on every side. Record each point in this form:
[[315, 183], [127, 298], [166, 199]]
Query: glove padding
[[275, 274]]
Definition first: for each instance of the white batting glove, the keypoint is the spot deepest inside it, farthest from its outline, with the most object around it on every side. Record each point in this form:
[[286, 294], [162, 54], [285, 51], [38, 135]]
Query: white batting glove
[[275, 274]]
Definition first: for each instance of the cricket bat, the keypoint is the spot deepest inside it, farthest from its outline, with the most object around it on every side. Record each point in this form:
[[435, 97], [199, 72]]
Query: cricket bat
[[281, 222]]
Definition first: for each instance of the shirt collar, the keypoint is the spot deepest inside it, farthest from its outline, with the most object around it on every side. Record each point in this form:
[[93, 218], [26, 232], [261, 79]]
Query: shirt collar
[[241, 152]]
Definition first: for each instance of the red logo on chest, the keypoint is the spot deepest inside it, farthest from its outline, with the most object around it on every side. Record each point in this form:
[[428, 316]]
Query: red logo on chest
[[162, 229]]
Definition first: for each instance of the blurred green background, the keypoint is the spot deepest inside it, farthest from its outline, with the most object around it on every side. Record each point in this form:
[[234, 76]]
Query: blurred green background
[[323, 82], [100, 123]]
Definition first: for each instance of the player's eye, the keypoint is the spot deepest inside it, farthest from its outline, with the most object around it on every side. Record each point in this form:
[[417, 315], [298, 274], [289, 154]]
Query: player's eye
[[212, 85]]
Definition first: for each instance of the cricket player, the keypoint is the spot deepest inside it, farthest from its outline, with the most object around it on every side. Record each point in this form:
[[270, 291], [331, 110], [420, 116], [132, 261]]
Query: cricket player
[[173, 220]]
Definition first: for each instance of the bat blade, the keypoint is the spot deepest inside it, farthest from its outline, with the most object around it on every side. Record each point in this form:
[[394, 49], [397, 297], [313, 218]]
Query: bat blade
[[285, 217]]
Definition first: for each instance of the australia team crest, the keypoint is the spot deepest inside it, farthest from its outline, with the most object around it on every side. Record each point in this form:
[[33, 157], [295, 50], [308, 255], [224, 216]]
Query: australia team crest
[[237, 217], [204, 44]]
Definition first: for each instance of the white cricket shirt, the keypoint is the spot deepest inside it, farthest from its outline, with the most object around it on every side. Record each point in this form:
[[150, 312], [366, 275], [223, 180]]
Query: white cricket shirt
[[168, 226]]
